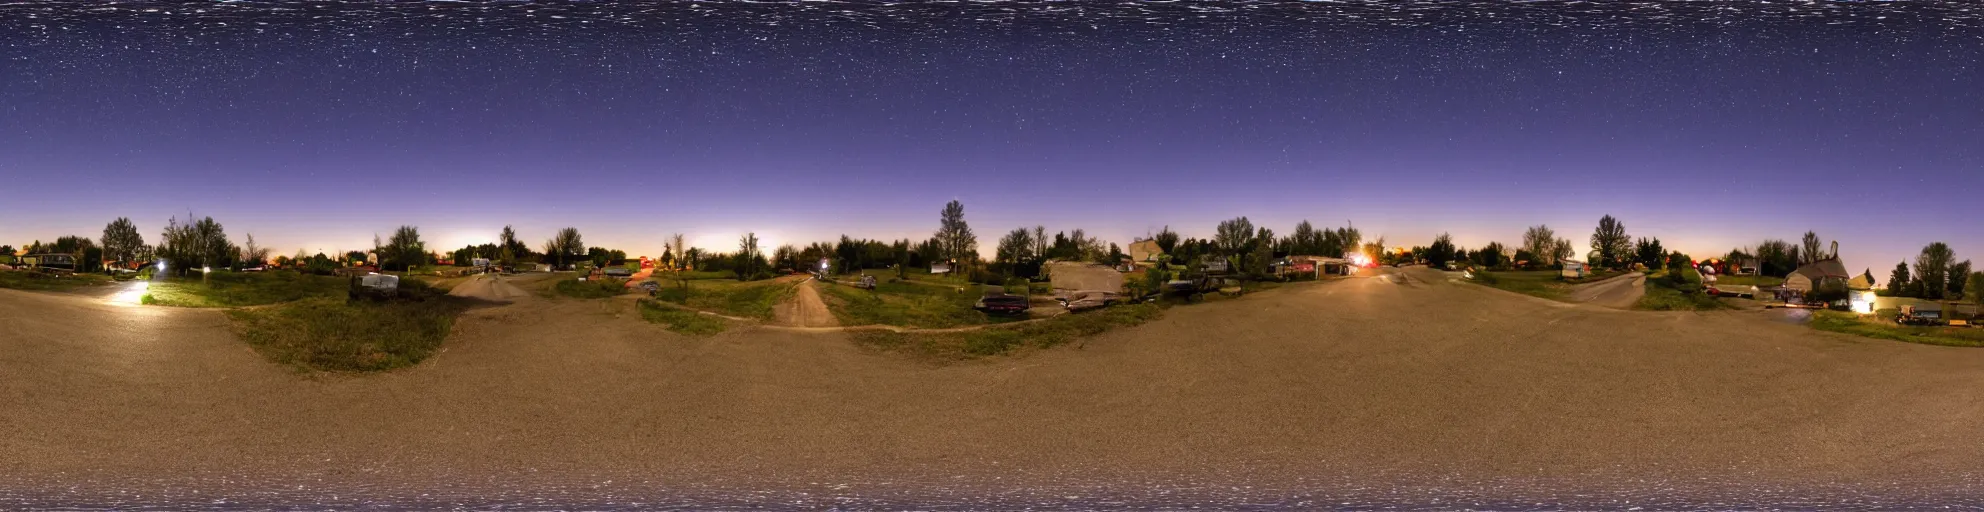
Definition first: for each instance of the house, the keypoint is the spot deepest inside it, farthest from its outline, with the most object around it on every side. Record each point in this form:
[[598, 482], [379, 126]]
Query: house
[[1860, 282], [1145, 251], [1316, 266], [1072, 276], [1810, 276]]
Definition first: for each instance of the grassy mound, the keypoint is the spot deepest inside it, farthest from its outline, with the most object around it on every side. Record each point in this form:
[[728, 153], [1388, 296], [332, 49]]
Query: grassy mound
[[753, 299], [1881, 325], [348, 336], [232, 289], [24, 280], [680, 320], [1000, 340], [1666, 293], [907, 305]]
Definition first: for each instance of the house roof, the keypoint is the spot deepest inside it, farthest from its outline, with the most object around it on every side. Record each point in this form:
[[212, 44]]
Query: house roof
[[1860, 282], [1823, 269]]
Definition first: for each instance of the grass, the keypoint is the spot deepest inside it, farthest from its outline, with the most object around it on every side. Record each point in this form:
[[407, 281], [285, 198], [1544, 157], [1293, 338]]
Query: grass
[[1548, 284], [20, 280], [906, 305], [693, 275], [1662, 294], [235, 289], [1001, 340], [752, 299], [680, 320], [589, 289], [335, 335], [1881, 325], [1590, 277], [1759, 281]]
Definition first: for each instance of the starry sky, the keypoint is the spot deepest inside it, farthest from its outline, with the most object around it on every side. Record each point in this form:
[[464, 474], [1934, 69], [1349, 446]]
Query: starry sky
[[315, 125]]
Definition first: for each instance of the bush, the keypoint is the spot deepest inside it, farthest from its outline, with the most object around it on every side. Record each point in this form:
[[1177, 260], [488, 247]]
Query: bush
[[982, 276]]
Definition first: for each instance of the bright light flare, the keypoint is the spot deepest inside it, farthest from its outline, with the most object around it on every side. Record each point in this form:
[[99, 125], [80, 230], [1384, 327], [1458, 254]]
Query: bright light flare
[[133, 295]]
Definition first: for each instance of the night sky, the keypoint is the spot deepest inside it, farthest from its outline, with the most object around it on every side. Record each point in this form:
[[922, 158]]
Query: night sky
[[316, 125]]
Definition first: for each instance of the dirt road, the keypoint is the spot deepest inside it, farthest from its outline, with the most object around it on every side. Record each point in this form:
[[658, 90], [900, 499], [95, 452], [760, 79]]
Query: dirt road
[[1317, 389], [490, 287], [1617, 293], [805, 309]]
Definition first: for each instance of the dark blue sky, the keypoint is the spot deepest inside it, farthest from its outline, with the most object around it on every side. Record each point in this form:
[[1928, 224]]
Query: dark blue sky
[[317, 125]]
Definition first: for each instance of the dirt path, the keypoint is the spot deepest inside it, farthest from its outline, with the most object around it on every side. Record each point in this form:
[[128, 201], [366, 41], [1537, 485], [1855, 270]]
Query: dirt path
[[1620, 292], [489, 287], [805, 309]]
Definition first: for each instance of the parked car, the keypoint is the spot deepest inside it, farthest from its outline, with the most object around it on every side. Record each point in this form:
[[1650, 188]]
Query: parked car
[[1087, 300], [1002, 304], [618, 271]]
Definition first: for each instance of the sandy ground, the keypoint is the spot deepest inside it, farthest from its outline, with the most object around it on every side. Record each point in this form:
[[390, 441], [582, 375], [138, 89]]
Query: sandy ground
[[1617, 293], [805, 308], [1344, 384]]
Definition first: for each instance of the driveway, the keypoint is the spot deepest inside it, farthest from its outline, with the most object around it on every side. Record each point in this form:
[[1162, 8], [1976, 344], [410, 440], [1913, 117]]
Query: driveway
[[1618, 292]]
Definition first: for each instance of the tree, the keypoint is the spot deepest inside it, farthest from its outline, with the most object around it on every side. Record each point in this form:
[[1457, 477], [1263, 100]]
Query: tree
[[786, 258], [195, 245], [1233, 235], [1441, 252], [1167, 240], [252, 253], [404, 251], [1649, 253], [6, 254], [1490, 255], [1260, 262], [1898, 280], [1041, 244], [748, 255], [955, 235], [1015, 248], [1932, 269], [565, 245], [1562, 251], [1976, 282], [1305, 240], [1959, 276], [1610, 242], [1540, 241], [1776, 258], [1810, 251], [121, 240]]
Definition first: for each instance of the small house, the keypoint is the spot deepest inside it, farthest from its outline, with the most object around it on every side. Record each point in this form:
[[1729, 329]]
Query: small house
[[1817, 273]]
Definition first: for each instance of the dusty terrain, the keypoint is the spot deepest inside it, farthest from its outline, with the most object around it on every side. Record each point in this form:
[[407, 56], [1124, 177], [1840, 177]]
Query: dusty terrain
[[805, 308], [1413, 383], [1618, 293]]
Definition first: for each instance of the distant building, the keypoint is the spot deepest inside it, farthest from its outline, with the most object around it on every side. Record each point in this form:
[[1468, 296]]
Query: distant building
[[1145, 251], [940, 267], [1070, 276]]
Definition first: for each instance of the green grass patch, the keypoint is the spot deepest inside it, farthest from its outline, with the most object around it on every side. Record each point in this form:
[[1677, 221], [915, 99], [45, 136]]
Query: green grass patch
[[1881, 325], [234, 289], [1664, 294], [1006, 339], [325, 334], [680, 320], [749, 299], [589, 289], [1548, 284], [22, 280], [1758, 281], [907, 305]]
